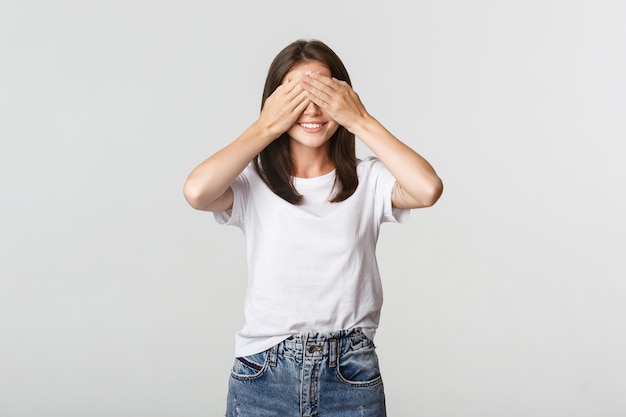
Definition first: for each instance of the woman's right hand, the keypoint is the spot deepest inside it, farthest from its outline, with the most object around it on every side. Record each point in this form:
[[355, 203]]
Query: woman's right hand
[[208, 185], [283, 108]]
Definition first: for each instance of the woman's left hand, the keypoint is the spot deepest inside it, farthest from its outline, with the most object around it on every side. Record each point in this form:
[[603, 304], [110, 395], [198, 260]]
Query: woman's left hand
[[335, 97], [417, 182]]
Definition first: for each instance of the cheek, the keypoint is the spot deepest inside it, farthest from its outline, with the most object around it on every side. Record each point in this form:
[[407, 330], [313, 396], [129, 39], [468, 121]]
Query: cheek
[[333, 128]]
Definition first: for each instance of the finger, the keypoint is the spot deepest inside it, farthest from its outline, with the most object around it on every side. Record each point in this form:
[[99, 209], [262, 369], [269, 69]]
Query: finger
[[295, 93], [318, 100], [293, 86], [325, 89], [318, 93], [301, 97], [296, 105], [301, 105], [286, 89], [321, 82]]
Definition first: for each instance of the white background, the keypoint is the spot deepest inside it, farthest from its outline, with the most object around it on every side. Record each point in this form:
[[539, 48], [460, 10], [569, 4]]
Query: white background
[[507, 298]]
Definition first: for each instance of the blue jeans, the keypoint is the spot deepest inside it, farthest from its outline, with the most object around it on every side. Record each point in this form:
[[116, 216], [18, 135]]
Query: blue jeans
[[332, 374]]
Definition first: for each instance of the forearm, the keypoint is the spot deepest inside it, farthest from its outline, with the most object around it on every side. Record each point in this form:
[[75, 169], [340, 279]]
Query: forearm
[[420, 186], [417, 183], [212, 178]]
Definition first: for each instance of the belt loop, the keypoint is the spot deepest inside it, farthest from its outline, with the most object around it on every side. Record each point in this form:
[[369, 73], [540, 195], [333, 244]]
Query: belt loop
[[333, 353], [273, 354]]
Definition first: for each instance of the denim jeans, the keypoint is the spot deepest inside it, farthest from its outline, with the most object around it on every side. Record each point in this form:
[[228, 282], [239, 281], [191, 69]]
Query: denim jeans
[[332, 374]]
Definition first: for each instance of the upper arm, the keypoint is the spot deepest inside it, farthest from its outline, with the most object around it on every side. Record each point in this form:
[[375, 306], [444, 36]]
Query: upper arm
[[402, 200], [222, 203], [399, 199]]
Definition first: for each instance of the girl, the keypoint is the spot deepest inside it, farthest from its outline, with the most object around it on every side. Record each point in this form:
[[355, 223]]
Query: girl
[[311, 212]]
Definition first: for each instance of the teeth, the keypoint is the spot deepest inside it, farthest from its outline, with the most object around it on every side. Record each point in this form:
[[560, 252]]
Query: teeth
[[311, 125]]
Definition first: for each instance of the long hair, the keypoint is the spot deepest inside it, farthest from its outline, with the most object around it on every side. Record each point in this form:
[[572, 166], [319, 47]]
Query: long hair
[[274, 164]]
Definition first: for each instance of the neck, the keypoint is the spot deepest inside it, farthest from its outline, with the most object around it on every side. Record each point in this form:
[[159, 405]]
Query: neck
[[311, 162]]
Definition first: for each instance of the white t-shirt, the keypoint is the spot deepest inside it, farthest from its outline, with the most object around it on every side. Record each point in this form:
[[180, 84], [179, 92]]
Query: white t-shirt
[[311, 267]]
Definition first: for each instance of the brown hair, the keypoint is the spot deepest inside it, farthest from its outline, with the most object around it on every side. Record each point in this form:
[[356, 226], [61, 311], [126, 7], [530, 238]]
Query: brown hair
[[274, 164]]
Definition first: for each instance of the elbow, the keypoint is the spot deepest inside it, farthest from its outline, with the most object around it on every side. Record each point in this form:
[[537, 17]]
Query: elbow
[[193, 194], [432, 195]]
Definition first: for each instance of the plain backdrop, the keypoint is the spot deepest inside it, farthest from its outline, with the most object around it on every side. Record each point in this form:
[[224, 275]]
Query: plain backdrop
[[505, 299]]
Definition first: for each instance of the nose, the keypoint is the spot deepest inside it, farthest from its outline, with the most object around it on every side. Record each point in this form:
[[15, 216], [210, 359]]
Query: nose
[[312, 109]]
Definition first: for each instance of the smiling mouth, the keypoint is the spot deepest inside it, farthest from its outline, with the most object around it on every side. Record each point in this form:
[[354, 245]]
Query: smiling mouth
[[311, 125]]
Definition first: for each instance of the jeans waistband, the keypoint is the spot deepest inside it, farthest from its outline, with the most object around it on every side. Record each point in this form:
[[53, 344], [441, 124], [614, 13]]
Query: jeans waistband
[[319, 345]]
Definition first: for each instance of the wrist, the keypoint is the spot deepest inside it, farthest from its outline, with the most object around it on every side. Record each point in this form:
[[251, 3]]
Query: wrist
[[262, 133], [364, 126]]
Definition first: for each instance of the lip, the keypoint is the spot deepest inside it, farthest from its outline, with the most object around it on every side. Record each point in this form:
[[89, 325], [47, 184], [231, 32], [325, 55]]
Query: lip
[[320, 126]]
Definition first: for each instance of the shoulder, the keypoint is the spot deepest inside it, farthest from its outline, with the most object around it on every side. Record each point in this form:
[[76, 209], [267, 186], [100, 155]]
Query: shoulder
[[374, 174], [370, 166], [248, 176], [249, 171]]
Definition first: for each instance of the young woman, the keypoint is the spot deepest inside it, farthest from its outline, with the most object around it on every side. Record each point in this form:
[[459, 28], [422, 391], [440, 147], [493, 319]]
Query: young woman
[[311, 213]]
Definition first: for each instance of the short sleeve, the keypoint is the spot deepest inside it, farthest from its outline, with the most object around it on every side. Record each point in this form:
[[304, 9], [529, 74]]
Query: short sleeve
[[385, 181], [235, 215]]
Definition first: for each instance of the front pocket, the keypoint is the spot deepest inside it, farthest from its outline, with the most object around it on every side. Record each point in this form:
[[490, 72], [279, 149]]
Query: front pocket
[[359, 368], [250, 367]]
